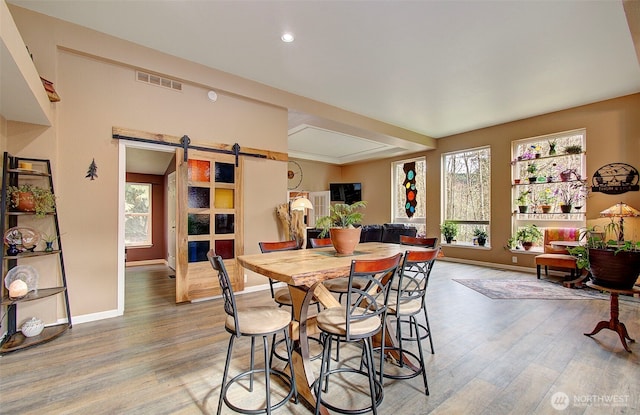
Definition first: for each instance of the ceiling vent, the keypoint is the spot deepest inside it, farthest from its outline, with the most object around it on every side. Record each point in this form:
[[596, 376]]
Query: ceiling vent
[[158, 81]]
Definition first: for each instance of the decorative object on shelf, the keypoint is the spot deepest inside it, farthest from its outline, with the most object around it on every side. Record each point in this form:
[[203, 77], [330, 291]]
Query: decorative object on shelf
[[523, 201], [552, 147], [24, 165], [51, 91], [528, 236], [24, 273], [32, 327], [481, 236], [21, 238], [339, 225], [615, 179], [449, 230], [545, 199], [49, 240], [619, 210], [30, 198], [532, 168], [573, 149], [92, 173], [569, 194], [18, 289], [612, 264]]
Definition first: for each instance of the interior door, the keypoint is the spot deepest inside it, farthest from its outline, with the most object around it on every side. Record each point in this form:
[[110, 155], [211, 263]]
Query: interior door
[[209, 216], [171, 220]]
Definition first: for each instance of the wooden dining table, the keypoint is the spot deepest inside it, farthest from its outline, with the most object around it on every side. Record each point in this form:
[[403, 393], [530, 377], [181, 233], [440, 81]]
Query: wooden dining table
[[304, 271]]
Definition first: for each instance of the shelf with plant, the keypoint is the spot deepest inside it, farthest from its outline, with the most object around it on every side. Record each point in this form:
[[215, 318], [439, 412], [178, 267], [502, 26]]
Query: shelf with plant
[[526, 237], [31, 198]]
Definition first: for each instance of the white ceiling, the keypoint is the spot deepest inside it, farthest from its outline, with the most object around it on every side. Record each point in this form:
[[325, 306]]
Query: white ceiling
[[433, 67]]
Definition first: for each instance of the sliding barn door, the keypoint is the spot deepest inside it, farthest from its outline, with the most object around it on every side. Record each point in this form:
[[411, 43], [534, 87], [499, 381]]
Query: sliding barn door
[[209, 216]]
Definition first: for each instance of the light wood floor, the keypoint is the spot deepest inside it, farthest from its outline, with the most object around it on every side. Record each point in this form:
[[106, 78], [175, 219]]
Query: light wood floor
[[492, 356]]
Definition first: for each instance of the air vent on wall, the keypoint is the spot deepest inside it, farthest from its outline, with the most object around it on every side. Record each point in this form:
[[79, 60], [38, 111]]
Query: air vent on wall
[[158, 81]]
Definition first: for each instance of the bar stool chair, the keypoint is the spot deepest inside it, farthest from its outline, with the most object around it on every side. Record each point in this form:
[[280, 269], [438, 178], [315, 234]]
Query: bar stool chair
[[281, 296], [358, 320], [253, 322], [338, 286], [426, 328], [404, 305]]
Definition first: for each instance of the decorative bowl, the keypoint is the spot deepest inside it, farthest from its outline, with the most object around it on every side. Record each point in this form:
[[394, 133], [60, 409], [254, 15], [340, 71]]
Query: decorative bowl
[[32, 327]]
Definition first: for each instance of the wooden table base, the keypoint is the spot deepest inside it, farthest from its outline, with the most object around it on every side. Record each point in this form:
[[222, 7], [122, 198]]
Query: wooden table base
[[614, 324]]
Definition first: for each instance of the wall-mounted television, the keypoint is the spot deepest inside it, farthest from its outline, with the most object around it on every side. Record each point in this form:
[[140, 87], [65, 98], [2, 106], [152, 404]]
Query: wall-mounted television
[[346, 192]]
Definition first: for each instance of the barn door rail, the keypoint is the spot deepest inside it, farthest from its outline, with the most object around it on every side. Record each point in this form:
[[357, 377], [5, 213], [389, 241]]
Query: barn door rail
[[185, 144]]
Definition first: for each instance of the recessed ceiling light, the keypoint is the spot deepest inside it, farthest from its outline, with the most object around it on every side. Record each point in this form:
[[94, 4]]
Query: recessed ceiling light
[[287, 37]]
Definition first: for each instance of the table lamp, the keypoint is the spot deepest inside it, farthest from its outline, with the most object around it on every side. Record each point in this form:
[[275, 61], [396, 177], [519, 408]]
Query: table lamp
[[296, 223], [620, 210]]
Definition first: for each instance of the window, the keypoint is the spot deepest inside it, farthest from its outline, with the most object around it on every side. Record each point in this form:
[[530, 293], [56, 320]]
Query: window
[[466, 192], [137, 214], [549, 186], [408, 182]]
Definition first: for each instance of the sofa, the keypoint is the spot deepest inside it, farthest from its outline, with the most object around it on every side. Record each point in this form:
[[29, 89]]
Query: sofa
[[388, 232]]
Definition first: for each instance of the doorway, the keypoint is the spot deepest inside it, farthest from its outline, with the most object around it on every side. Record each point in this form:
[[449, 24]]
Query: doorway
[[151, 161]]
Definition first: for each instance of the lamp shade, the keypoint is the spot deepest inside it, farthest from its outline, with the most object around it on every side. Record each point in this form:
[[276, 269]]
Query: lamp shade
[[619, 210], [301, 203]]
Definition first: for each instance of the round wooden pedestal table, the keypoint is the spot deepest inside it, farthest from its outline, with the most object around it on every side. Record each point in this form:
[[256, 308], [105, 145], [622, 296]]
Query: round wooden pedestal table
[[614, 324]]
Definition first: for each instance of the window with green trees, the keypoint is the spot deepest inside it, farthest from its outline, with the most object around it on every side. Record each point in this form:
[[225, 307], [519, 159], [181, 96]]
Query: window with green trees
[[137, 213], [466, 192]]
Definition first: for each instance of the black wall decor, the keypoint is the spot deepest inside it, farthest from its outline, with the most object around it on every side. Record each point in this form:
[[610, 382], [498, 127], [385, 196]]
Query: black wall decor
[[615, 178]]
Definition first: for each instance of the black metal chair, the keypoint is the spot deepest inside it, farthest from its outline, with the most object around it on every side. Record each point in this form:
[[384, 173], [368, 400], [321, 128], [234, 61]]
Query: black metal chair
[[358, 321], [426, 329], [282, 296], [253, 322], [404, 305]]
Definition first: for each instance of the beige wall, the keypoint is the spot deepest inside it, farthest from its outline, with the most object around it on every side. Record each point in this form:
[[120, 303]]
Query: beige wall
[[613, 135], [99, 92]]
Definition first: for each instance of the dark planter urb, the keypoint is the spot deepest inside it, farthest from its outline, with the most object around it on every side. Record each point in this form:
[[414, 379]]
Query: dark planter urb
[[612, 270]]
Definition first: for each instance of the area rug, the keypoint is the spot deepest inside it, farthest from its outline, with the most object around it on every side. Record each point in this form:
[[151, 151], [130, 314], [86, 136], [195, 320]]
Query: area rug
[[506, 289]]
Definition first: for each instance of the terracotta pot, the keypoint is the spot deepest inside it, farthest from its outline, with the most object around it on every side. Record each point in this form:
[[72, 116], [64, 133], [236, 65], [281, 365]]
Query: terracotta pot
[[345, 240], [614, 270], [24, 201], [545, 208]]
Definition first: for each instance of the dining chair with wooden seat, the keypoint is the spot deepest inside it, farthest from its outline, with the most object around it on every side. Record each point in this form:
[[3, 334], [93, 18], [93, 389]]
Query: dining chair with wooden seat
[[419, 241], [256, 322], [426, 328], [282, 296], [358, 320], [338, 286], [404, 305]]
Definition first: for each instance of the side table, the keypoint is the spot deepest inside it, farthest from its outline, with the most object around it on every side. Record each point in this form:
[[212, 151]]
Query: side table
[[614, 324]]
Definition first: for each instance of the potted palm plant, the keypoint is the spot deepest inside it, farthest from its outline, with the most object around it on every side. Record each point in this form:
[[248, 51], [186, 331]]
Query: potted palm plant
[[339, 225], [449, 230]]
